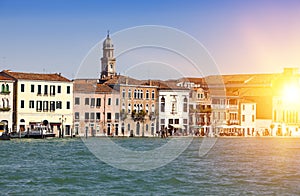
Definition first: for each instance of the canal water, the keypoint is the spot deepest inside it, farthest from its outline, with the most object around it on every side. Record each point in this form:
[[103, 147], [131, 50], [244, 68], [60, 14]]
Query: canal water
[[235, 166]]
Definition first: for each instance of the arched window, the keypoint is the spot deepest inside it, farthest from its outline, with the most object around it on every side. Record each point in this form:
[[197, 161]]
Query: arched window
[[129, 108], [147, 127], [162, 104], [3, 88], [123, 93], [152, 108], [152, 95], [129, 94], [147, 94], [147, 108], [7, 88], [185, 105], [123, 107], [152, 128], [135, 96], [138, 94], [142, 94]]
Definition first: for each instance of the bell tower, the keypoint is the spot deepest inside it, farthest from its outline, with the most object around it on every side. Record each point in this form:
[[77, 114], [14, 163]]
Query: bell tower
[[108, 61]]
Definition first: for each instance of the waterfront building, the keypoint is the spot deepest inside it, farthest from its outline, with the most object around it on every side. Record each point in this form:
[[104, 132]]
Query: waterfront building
[[173, 104], [96, 109], [247, 118], [286, 105], [6, 103], [42, 99]]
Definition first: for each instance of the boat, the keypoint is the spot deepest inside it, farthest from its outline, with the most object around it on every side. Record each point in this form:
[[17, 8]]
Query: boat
[[39, 131], [4, 136], [3, 131]]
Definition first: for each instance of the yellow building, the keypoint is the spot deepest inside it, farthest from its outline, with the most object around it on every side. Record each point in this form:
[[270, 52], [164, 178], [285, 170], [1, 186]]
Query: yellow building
[[42, 99]]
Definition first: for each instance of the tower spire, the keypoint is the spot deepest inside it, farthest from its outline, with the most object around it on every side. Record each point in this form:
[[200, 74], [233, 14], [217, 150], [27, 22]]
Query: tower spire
[[107, 33]]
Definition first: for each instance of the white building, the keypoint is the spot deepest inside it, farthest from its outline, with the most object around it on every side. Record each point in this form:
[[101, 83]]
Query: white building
[[6, 103], [248, 118], [42, 99], [174, 110]]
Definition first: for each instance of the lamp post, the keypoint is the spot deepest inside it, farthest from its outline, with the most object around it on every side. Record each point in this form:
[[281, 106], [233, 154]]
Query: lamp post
[[62, 120]]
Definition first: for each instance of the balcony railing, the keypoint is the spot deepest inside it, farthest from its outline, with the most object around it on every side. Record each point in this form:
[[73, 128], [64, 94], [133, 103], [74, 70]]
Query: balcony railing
[[6, 109], [5, 92]]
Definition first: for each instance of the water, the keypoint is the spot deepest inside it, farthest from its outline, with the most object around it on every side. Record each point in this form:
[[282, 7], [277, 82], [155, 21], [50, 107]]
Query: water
[[234, 166]]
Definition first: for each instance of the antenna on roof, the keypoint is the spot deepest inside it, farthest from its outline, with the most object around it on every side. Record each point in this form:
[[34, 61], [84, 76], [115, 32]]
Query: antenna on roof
[[107, 33]]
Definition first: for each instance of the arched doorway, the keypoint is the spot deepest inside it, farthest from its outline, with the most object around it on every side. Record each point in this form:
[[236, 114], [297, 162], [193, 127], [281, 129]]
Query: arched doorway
[[138, 128]]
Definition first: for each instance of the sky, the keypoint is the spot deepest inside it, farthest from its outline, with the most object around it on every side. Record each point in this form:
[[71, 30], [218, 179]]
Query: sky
[[257, 36]]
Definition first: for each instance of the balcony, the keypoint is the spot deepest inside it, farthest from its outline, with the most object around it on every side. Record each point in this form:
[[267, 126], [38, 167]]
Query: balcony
[[6, 109], [5, 92]]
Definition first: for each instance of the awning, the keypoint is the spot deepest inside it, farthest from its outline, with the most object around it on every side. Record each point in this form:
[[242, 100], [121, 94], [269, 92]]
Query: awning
[[176, 126]]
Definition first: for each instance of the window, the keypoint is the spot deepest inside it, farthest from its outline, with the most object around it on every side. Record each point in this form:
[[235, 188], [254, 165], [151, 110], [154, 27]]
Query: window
[[108, 116], [138, 94], [52, 90], [109, 101], [77, 115], [117, 116], [152, 95], [68, 105], [185, 121], [253, 118], [243, 107], [39, 106], [22, 87], [243, 118], [129, 108], [87, 101], [86, 116], [162, 121], [92, 117], [77, 101], [22, 103], [185, 104], [123, 93], [58, 89], [32, 88], [162, 104], [45, 106], [39, 90], [170, 121], [3, 88], [147, 127], [117, 101], [253, 107], [98, 102], [152, 128], [177, 121], [52, 106], [129, 94], [58, 105], [68, 89], [147, 108], [92, 102], [98, 116], [46, 90], [147, 94], [31, 104], [142, 94], [134, 95]]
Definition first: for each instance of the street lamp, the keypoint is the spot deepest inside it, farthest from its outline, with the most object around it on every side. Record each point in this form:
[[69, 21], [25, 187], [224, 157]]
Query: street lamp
[[62, 120]]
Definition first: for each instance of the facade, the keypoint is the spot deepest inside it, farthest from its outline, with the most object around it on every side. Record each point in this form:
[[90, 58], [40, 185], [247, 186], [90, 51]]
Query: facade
[[6, 104], [42, 99], [247, 119], [96, 109], [138, 110], [174, 111]]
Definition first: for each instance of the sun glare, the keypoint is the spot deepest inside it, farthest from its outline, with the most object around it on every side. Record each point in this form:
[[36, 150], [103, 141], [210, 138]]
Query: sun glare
[[291, 94]]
